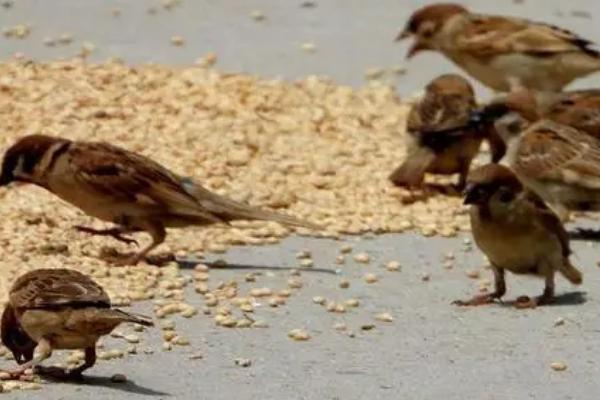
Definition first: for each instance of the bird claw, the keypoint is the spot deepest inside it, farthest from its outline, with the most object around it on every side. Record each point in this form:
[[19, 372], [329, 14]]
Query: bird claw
[[114, 233], [526, 302]]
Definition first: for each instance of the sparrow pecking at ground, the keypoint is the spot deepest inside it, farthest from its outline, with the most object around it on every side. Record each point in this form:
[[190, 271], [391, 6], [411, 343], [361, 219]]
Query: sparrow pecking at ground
[[122, 187], [52, 309], [503, 53], [448, 102], [517, 232]]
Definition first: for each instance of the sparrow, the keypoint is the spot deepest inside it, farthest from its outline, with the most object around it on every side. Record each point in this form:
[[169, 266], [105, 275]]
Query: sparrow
[[448, 102], [517, 232], [52, 309], [119, 186], [503, 53], [579, 109], [553, 145], [558, 162]]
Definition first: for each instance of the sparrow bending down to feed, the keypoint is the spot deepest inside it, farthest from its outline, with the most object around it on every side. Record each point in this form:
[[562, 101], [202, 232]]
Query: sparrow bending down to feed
[[449, 102], [517, 232], [553, 142], [119, 186], [579, 109], [51, 309], [501, 52], [559, 162]]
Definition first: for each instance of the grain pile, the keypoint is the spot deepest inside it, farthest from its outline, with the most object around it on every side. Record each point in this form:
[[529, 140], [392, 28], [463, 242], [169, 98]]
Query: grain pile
[[311, 148]]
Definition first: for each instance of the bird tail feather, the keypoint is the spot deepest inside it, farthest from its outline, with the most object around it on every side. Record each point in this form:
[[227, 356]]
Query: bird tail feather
[[229, 210], [412, 170], [130, 317], [571, 273]]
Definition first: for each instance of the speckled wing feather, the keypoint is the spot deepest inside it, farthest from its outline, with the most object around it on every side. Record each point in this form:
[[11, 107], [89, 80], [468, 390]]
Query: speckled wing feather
[[550, 221], [493, 35], [129, 177], [438, 112], [554, 152], [55, 288], [579, 109]]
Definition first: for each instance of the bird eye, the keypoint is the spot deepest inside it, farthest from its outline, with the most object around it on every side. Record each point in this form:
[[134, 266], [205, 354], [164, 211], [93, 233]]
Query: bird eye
[[506, 195], [427, 30]]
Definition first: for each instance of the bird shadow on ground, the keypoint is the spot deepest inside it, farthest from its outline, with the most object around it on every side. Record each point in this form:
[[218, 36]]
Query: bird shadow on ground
[[190, 263], [592, 235], [102, 381], [563, 299]]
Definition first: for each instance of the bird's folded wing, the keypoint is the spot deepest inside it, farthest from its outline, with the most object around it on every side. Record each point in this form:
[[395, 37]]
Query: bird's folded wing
[[129, 177], [550, 221], [553, 152], [439, 113], [494, 35], [55, 288]]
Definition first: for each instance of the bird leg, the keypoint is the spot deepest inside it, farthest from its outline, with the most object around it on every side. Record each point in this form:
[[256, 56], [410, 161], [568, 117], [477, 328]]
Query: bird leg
[[482, 299], [116, 233], [90, 360], [547, 296], [158, 233], [42, 352]]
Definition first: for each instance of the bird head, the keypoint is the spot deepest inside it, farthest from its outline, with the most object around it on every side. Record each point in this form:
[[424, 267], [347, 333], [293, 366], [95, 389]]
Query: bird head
[[451, 85], [426, 23], [22, 157], [14, 337], [492, 185]]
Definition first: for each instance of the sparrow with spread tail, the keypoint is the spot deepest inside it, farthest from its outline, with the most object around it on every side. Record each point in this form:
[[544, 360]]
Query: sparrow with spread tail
[[122, 187], [449, 101], [51, 309], [517, 232], [501, 52]]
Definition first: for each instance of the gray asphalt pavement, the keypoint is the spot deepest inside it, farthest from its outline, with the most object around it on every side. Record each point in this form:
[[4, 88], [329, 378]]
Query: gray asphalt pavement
[[431, 350]]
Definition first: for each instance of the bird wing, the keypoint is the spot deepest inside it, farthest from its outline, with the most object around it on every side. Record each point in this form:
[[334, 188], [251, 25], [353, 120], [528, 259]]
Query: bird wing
[[438, 112], [492, 35], [55, 288], [550, 221], [554, 152], [579, 109], [129, 177]]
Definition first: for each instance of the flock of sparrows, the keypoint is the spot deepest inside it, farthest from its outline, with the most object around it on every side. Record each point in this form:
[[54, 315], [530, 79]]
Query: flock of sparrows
[[550, 140]]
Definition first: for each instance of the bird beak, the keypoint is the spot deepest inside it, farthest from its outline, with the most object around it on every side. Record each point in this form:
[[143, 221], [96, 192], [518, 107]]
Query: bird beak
[[416, 47], [472, 195], [405, 34]]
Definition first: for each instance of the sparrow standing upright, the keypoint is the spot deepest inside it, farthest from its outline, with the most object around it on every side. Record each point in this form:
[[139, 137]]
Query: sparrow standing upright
[[517, 232], [119, 186], [501, 52], [52, 309], [449, 102]]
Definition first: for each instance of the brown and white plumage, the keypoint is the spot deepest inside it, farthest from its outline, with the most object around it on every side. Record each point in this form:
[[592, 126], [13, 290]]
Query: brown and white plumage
[[578, 109], [119, 186], [448, 102], [516, 231], [502, 52], [558, 162], [52, 309]]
